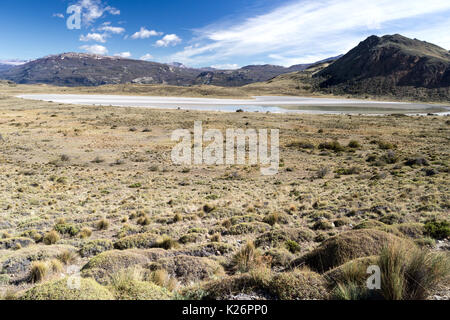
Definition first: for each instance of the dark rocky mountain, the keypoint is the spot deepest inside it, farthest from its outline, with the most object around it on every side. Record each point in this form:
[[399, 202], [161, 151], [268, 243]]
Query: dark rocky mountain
[[78, 69], [389, 65], [4, 67]]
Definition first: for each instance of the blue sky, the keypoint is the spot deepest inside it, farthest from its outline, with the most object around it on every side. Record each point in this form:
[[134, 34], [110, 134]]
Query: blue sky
[[220, 33]]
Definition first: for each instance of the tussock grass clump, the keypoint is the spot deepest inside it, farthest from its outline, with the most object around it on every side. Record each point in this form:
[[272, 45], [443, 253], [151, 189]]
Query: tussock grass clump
[[143, 221], [384, 145], [85, 233], [67, 257], [38, 271], [102, 224], [216, 237], [130, 289], [162, 278], [51, 237], [411, 274], [407, 273], [354, 144], [272, 218], [56, 265], [167, 243], [246, 259], [177, 218]]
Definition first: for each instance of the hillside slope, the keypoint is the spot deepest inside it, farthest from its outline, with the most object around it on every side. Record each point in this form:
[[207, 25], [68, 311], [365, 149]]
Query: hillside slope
[[390, 65]]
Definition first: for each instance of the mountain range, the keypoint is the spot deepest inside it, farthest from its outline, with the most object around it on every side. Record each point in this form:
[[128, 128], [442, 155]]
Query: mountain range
[[79, 69]]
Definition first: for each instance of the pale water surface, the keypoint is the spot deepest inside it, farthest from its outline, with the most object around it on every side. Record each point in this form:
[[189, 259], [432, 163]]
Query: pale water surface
[[273, 104]]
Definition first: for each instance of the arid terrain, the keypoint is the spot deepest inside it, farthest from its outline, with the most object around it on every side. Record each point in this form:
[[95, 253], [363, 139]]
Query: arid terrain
[[90, 194]]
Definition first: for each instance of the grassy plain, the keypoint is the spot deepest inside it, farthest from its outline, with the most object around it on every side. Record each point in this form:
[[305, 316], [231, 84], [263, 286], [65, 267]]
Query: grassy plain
[[94, 188]]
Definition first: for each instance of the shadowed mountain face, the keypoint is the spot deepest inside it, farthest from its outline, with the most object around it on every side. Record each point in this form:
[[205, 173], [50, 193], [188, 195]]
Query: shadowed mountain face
[[4, 67], [388, 62], [75, 69]]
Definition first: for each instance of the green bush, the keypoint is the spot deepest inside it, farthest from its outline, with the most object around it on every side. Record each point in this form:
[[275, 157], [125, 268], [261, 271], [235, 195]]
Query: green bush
[[293, 246], [437, 229], [334, 146], [68, 229]]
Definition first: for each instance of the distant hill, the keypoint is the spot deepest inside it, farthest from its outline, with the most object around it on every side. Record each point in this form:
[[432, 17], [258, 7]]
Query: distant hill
[[245, 75], [78, 69], [8, 64], [390, 65], [4, 67]]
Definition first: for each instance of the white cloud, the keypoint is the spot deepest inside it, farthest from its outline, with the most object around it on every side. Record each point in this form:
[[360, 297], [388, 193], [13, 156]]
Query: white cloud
[[123, 54], [227, 66], [58, 15], [168, 40], [110, 29], [93, 37], [95, 49], [95, 9], [146, 57], [306, 31], [145, 34]]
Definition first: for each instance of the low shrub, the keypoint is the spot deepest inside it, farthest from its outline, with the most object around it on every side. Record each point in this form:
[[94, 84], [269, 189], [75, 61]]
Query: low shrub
[[437, 229]]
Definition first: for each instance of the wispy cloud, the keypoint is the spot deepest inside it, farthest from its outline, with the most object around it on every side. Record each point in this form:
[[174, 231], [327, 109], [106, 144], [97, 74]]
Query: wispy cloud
[[97, 37], [146, 57], [145, 34], [95, 49], [306, 31], [58, 15], [111, 29], [227, 66], [168, 40], [123, 54]]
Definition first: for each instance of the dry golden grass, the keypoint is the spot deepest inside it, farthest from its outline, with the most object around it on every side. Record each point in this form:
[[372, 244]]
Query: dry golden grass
[[49, 170]]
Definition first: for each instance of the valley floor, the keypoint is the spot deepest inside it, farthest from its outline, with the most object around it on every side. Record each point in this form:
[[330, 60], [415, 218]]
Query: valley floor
[[91, 191]]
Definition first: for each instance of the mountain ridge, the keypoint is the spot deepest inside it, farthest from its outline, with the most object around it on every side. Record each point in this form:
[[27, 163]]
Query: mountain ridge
[[83, 69]]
